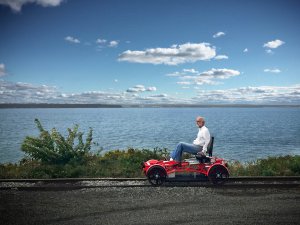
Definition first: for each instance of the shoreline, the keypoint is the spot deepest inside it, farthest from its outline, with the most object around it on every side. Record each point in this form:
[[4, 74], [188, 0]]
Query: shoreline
[[57, 105]]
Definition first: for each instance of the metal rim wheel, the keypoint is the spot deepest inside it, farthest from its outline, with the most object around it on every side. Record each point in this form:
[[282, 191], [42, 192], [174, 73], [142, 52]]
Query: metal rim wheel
[[218, 175], [156, 176]]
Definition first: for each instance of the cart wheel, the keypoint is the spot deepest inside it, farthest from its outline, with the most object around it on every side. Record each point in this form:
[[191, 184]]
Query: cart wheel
[[156, 176], [218, 175]]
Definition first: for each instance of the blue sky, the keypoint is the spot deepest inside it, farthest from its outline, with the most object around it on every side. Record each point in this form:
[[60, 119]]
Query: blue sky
[[147, 52]]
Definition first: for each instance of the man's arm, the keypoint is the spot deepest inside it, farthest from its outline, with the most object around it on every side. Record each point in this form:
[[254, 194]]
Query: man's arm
[[206, 136]]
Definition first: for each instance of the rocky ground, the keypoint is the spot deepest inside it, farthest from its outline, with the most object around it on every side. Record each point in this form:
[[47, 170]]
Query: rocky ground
[[151, 205]]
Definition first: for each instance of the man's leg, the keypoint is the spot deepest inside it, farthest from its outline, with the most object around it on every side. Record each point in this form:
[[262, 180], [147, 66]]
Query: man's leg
[[184, 147]]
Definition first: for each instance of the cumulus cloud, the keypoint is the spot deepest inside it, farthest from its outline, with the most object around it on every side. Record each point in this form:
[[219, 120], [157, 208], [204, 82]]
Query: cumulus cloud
[[72, 40], [245, 50], [151, 89], [272, 70], [220, 57], [159, 96], [2, 70], [24, 92], [113, 44], [220, 73], [11, 92], [211, 77], [175, 74], [140, 88], [269, 51], [184, 82], [252, 95], [192, 71], [101, 41], [176, 54], [219, 34], [273, 44], [16, 5]]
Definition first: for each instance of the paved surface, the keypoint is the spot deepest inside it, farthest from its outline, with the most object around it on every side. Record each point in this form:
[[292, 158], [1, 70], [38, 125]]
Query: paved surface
[[150, 205]]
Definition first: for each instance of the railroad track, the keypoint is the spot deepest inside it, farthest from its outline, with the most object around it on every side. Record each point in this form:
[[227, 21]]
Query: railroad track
[[80, 183], [230, 179]]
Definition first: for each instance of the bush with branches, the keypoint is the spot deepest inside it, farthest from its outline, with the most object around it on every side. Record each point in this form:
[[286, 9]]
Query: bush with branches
[[53, 148]]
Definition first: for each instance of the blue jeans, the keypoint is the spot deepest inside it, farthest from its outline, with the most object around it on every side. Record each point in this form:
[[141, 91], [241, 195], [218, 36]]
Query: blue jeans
[[185, 147]]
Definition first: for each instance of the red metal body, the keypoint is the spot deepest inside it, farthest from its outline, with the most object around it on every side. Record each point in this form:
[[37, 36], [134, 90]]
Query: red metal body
[[212, 168]]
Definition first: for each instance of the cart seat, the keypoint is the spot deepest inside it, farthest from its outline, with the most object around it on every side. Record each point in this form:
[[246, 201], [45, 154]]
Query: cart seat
[[206, 159]]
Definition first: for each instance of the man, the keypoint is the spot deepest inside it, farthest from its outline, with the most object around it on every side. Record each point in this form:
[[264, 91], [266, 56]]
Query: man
[[199, 145]]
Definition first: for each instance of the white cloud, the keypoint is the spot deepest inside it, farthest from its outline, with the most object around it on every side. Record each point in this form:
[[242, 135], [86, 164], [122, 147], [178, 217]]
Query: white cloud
[[140, 88], [2, 70], [23, 92], [220, 73], [252, 95], [151, 89], [159, 96], [175, 74], [16, 5], [269, 51], [28, 93], [176, 54], [220, 57], [113, 44], [219, 34], [210, 77], [272, 70], [72, 40], [184, 82], [245, 50], [101, 41], [116, 80], [273, 44], [193, 71]]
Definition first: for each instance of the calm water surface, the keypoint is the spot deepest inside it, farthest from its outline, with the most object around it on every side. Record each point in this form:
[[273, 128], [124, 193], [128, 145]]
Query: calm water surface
[[243, 134]]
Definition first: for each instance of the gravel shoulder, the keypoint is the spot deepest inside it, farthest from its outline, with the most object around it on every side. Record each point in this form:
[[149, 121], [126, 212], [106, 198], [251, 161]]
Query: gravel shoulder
[[150, 205]]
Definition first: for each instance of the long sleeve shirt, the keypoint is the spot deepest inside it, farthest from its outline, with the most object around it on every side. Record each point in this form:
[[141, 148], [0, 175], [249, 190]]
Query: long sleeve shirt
[[203, 138]]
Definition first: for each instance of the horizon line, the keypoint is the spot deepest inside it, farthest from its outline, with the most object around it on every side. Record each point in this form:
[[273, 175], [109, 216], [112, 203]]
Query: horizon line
[[172, 105]]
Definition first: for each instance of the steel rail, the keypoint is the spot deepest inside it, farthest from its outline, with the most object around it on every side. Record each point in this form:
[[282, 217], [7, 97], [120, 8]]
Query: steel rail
[[63, 184], [166, 185], [63, 180], [230, 179]]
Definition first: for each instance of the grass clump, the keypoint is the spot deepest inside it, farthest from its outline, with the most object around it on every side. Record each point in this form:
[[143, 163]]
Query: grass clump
[[117, 163], [271, 166]]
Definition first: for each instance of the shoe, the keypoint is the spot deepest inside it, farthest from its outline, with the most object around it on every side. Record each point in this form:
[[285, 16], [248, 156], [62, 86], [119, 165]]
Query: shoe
[[167, 158]]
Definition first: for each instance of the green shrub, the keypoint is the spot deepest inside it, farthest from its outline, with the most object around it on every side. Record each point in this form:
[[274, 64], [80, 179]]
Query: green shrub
[[53, 148], [115, 163], [127, 163], [271, 166]]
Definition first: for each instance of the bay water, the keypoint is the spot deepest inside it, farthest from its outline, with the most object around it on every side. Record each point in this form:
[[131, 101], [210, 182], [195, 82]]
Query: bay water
[[243, 134]]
